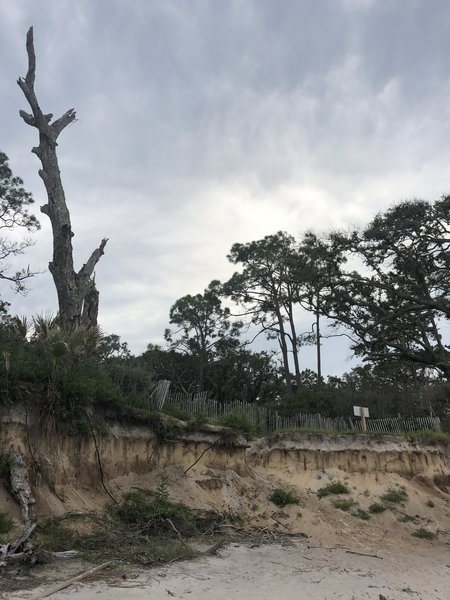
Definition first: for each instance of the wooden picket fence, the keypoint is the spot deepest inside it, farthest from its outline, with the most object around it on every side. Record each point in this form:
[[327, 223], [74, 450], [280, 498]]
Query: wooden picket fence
[[268, 421], [398, 424]]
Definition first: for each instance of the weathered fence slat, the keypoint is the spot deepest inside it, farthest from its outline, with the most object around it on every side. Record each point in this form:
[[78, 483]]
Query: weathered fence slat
[[268, 421]]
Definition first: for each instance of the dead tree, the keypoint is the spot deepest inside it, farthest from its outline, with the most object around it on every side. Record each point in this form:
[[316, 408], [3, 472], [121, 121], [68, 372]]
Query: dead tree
[[77, 293]]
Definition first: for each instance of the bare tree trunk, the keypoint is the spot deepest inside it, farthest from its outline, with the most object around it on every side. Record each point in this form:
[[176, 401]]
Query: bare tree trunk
[[294, 344], [318, 348], [284, 350], [77, 294]]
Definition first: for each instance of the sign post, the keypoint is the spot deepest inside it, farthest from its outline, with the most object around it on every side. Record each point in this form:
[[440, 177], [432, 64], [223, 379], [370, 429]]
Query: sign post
[[363, 412]]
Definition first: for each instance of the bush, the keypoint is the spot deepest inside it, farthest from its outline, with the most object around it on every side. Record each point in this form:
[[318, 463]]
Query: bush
[[361, 514], [376, 507], [424, 534], [394, 496], [336, 487], [237, 421], [155, 516], [282, 498], [408, 518], [343, 504]]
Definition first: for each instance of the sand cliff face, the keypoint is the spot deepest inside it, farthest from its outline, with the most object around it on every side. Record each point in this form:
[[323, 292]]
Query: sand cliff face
[[75, 473], [125, 450], [350, 454]]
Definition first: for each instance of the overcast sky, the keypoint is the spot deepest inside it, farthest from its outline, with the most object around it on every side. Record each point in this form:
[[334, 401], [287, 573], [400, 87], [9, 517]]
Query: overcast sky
[[207, 122]]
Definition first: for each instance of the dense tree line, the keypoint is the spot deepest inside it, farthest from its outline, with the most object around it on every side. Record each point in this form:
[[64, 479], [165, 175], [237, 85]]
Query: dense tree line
[[384, 286]]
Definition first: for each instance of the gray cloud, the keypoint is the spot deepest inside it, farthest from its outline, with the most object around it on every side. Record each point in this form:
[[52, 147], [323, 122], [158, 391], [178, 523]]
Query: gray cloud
[[204, 123]]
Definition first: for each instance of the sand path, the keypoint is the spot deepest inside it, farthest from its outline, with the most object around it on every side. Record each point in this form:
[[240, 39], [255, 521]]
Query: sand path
[[297, 571]]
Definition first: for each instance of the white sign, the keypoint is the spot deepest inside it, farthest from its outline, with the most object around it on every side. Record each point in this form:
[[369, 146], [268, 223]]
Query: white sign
[[360, 411]]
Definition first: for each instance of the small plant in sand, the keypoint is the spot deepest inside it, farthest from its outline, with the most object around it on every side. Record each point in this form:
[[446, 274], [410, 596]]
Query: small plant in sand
[[430, 504], [394, 496], [377, 507], [408, 518], [335, 487], [424, 534], [343, 504], [282, 498], [361, 514]]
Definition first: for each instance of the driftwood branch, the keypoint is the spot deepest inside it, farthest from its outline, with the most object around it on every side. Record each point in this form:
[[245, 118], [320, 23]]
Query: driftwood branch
[[23, 549], [20, 485], [80, 577]]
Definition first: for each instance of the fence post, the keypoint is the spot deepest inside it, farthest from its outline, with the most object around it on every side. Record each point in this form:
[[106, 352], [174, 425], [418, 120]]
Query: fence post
[[161, 393]]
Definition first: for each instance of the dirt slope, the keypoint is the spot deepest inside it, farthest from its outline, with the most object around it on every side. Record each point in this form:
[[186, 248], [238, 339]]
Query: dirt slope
[[206, 473]]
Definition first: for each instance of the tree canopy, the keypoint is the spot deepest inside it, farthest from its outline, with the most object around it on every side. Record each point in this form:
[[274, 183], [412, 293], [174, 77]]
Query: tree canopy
[[205, 328], [397, 304], [15, 204]]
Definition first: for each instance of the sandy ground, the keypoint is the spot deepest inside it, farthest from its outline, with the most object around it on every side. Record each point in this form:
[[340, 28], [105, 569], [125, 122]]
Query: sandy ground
[[330, 563], [298, 570]]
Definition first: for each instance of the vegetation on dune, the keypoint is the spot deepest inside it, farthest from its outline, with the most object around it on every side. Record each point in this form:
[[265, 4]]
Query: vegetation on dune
[[394, 496], [343, 504], [424, 534], [282, 497], [335, 487]]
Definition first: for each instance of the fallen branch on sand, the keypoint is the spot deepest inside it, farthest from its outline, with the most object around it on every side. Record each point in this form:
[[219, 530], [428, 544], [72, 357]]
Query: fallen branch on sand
[[22, 549], [213, 550], [65, 584], [362, 554]]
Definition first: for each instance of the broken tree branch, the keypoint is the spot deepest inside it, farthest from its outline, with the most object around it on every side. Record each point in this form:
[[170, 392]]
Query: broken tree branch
[[61, 586]]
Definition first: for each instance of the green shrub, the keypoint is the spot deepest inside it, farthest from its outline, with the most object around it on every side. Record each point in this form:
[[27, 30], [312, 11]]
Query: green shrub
[[407, 519], [282, 498], [237, 421], [343, 504], [155, 515], [199, 419], [424, 534], [394, 496], [5, 523], [361, 514], [177, 412], [430, 504], [376, 507], [336, 487]]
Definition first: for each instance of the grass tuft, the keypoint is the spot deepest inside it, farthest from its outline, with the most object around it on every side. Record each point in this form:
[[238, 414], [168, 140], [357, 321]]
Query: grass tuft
[[336, 487], [361, 514], [343, 504], [237, 421], [282, 498], [394, 496], [376, 507], [424, 534]]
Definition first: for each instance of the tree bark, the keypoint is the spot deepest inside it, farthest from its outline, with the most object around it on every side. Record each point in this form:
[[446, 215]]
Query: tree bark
[[294, 344], [77, 294], [284, 350], [318, 348]]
